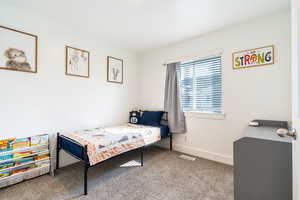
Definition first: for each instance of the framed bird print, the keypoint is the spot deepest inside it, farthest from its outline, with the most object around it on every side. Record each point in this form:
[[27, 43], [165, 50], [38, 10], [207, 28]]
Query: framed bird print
[[18, 50], [77, 62], [114, 70]]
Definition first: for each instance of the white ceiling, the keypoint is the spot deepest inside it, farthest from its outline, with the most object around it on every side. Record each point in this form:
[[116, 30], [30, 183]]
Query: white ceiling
[[140, 25]]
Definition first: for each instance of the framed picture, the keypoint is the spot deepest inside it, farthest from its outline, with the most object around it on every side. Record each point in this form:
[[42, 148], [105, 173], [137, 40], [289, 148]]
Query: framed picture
[[114, 70], [77, 62], [253, 57], [18, 50]]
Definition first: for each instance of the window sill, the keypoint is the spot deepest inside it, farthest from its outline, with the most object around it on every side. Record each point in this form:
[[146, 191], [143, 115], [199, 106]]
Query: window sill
[[204, 115]]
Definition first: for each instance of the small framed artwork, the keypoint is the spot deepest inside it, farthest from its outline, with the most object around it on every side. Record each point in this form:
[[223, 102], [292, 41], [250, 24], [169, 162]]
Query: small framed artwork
[[77, 62], [253, 57], [114, 70], [18, 50]]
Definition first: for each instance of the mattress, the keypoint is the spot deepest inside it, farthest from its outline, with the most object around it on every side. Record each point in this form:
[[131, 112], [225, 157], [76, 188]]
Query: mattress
[[76, 149], [106, 142], [164, 131]]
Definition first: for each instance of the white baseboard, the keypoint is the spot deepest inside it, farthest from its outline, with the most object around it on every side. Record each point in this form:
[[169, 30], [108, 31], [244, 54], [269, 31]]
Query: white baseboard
[[228, 160]]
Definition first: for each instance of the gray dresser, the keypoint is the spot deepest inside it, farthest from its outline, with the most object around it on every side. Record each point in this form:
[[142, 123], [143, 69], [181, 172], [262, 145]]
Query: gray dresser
[[263, 165]]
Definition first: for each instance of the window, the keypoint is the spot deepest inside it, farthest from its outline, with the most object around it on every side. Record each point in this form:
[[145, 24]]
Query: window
[[201, 85]]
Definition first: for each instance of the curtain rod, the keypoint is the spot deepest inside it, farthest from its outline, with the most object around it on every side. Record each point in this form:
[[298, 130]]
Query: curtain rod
[[218, 52]]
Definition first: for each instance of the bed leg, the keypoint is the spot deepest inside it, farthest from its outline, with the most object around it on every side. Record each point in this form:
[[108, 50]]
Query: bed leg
[[57, 151], [142, 156], [86, 167], [85, 178], [171, 142]]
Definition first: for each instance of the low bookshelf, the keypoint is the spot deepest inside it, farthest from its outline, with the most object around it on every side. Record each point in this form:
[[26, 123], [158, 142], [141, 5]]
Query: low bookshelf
[[23, 158]]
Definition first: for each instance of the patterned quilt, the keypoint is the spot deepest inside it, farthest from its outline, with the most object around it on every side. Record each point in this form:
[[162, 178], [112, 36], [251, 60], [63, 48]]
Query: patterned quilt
[[106, 142]]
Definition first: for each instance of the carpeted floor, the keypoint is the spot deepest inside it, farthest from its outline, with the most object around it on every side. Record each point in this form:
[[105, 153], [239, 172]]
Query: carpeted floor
[[164, 177]]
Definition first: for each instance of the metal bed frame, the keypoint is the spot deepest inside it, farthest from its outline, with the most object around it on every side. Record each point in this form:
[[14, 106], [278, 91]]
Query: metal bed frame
[[85, 159]]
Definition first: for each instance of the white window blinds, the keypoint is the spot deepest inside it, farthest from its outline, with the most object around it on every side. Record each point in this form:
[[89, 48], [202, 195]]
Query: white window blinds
[[201, 85]]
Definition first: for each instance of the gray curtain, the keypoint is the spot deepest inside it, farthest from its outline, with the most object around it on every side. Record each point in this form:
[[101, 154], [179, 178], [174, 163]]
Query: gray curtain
[[172, 99]]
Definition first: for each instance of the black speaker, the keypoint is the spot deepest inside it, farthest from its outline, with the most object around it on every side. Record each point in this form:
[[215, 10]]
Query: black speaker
[[134, 117]]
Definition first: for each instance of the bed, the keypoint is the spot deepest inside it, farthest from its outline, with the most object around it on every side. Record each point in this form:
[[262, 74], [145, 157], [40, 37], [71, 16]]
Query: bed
[[95, 146]]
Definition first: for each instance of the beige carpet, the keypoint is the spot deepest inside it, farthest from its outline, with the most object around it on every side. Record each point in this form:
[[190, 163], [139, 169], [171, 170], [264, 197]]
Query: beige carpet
[[164, 177]]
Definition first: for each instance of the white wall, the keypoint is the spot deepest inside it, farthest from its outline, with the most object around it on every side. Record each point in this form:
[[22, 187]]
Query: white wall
[[50, 101], [261, 92]]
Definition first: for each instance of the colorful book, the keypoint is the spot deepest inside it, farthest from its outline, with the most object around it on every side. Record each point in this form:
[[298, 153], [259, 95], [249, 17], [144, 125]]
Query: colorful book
[[20, 143], [42, 156], [21, 154], [39, 140], [6, 165], [6, 156], [24, 160], [5, 144], [4, 173]]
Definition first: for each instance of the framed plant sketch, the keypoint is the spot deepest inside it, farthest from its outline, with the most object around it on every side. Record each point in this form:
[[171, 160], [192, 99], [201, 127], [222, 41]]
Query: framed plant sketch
[[18, 50], [77, 62], [114, 70]]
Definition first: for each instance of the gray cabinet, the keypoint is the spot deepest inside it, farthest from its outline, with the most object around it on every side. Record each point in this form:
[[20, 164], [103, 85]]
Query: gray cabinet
[[262, 165]]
